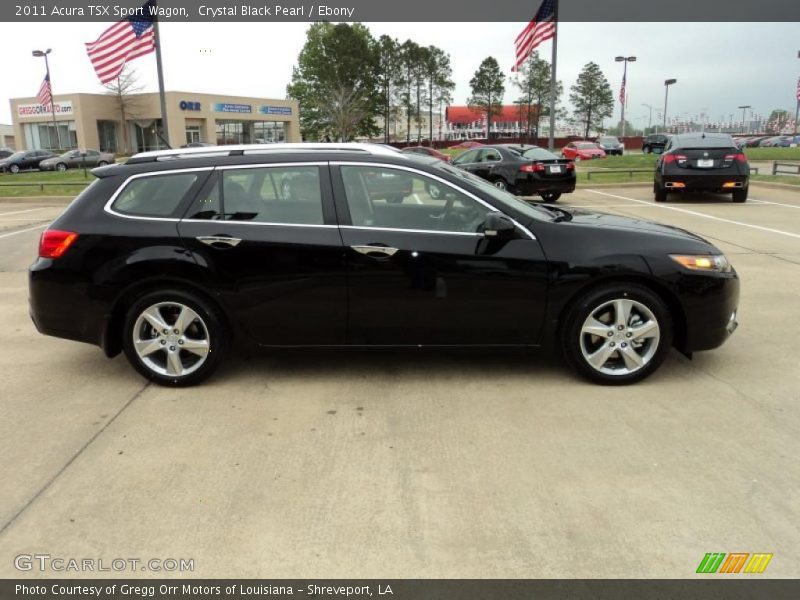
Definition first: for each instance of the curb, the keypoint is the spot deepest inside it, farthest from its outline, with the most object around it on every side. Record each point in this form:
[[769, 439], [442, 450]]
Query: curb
[[776, 185]]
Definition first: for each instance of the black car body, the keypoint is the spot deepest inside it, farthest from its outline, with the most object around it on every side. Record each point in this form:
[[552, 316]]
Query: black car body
[[611, 145], [173, 256], [702, 162], [24, 160], [5, 152], [655, 142], [521, 170]]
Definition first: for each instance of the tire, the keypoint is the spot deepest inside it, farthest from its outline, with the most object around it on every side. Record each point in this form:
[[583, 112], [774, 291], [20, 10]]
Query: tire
[[626, 358], [501, 184], [61, 167], [551, 196], [740, 195], [660, 193], [14, 169], [166, 358], [647, 150], [101, 163]]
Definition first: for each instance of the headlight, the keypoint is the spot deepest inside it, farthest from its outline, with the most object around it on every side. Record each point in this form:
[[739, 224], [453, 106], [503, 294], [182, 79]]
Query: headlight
[[703, 262]]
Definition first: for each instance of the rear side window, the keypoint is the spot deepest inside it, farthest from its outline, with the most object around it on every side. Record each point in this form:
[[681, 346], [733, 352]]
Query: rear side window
[[154, 196]]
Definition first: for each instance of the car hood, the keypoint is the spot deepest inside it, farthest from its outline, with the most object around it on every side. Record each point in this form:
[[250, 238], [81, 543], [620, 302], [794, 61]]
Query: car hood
[[598, 219]]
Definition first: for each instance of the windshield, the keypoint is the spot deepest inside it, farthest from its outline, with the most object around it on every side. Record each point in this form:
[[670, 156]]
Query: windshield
[[608, 140], [539, 154], [586, 146], [17, 155], [503, 198]]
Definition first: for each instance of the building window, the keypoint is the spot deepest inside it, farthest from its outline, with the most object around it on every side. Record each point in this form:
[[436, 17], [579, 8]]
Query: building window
[[232, 132], [107, 134], [44, 136], [266, 132], [149, 135]]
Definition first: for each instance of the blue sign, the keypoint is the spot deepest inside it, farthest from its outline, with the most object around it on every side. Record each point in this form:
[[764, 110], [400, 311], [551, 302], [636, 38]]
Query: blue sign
[[189, 105], [275, 110], [232, 108]]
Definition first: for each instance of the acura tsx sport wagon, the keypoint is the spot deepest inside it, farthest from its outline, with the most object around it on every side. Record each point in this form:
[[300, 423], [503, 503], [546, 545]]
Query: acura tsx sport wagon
[[176, 255]]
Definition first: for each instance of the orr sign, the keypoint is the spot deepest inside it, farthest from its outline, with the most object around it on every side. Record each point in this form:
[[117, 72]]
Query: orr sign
[[26, 111]]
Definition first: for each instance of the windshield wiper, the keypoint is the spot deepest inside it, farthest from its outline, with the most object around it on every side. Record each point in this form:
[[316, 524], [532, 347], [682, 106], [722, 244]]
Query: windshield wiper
[[563, 215]]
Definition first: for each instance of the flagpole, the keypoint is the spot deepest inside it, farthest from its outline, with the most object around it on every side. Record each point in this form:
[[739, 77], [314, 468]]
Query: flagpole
[[551, 140], [160, 69]]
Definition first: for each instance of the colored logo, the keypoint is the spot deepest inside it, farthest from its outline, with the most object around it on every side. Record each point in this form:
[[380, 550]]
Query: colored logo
[[232, 108], [275, 110], [735, 562], [189, 105]]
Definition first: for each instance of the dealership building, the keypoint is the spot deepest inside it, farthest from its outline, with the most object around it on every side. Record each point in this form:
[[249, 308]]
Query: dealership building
[[96, 121]]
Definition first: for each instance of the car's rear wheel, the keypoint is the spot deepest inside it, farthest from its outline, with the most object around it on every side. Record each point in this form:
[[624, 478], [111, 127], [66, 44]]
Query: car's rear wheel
[[647, 149], [617, 333], [174, 337], [740, 195], [61, 167], [14, 168], [101, 163], [501, 184], [660, 193], [551, 196]]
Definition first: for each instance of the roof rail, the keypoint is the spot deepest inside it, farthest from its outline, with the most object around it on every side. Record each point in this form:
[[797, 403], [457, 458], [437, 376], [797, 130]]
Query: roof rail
[[252, 149]]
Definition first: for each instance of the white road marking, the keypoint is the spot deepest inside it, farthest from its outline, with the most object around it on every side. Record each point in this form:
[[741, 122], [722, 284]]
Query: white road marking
[[6, 235], [19, 212], [698, 214], [773, 203]]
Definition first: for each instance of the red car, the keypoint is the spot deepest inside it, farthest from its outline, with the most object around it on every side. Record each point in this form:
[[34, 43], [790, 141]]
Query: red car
[[582, 151], [425, 151]]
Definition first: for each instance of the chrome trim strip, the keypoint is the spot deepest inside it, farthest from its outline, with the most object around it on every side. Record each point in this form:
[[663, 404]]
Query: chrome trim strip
[[372, 149], [437, 178], [267, 223], [467, 233], [272, 165], [107, 208]]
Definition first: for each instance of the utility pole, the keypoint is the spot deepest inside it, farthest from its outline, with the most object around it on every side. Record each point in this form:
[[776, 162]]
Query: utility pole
[[623, 93]]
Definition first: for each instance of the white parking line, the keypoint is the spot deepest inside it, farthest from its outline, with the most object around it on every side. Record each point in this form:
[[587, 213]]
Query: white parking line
[[6, 235], [19, 212], [698, 214], [774, 203]]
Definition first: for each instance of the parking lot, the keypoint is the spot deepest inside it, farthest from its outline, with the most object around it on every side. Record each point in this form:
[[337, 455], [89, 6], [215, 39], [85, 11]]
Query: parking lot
[[417, 463]]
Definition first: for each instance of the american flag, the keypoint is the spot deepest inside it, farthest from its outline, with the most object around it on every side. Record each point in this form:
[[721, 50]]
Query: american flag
[[622, 91], [541, 28], [45, 94], [122, 42]]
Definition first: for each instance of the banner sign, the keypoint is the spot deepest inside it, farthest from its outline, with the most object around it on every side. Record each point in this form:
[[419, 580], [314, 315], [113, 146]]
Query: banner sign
[[275, 110], [232, 108], [37, 110]]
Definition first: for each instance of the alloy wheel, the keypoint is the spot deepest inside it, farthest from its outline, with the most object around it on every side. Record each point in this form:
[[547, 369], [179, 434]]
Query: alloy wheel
[[619, 337], [171, 339]]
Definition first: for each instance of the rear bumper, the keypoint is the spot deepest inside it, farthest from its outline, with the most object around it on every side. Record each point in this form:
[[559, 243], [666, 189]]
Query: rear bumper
[[531, 187], [710, 182]]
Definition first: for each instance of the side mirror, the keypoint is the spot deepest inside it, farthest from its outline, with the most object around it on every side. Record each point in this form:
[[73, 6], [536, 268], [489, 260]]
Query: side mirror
[[497, 225]]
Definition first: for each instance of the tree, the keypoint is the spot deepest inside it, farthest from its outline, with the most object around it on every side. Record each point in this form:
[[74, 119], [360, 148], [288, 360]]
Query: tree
[[534, 84], [440, 84], [591, 98], [388, 64], [487, 91], [406, 78], [123, 89], [616, 130], [778, 121], [335, 82], [423, 57]]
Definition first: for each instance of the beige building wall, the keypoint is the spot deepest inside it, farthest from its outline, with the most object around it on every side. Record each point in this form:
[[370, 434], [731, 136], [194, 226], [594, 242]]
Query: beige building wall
[[183, 108]]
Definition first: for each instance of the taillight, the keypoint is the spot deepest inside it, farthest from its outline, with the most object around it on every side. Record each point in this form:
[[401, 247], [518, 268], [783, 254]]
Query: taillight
[[671, 158], [740, 157], [54, 243], [532, 168], [570, 166]]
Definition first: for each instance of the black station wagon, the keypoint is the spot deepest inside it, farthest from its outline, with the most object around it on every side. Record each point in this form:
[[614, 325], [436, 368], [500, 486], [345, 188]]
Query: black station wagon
[[176, 255]]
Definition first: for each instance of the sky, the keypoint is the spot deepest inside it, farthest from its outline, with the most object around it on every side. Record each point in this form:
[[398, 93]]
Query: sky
[[719, 66]]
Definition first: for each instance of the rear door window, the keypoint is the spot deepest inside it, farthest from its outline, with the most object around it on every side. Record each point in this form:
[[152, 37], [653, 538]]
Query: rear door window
[[155, 195]]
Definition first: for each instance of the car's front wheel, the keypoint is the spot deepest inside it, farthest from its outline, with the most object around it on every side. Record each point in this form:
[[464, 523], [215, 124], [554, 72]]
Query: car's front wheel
[[551, 196], [617, 333], [101, 163], [61, 167], [647, 150], [174, 337], [14, 168]]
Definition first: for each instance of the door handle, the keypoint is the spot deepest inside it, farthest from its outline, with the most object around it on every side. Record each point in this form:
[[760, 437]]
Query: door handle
[[218, 241], [367, 250]]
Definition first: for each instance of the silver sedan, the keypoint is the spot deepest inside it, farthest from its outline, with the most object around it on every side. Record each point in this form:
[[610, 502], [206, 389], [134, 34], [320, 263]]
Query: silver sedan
[[74, 159]]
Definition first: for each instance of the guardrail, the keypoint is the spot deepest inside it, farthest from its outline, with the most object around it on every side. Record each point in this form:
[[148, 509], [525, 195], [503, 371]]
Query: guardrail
[[794, 166], [43, 184], [630, 172]]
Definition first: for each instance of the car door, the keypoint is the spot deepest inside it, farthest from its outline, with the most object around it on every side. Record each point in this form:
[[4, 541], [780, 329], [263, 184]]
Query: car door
[[267, 240], [568, 151], [467, 161], [92, 157], [487, 159], [422, 273], [31, 160]]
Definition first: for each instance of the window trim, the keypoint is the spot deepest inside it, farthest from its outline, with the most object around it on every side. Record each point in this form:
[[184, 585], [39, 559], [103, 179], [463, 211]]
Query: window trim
[[108, 206], [467, 193]]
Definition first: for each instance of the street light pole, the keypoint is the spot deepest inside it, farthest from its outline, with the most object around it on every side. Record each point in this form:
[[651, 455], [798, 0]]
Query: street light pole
[[39, 54], [623, 98], [797, 110], [744, 110], [667, 83]]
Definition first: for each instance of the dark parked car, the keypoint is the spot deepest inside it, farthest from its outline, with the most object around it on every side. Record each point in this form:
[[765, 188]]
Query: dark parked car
[[702, 162], [610, 145], [5, 152], [522, 170], [75, 159], [178, 254], [426, 151], [655, 142], [23, 160]]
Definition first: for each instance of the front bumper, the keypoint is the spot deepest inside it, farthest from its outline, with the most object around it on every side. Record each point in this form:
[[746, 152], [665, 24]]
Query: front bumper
[[615, 151], [710, 304]]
